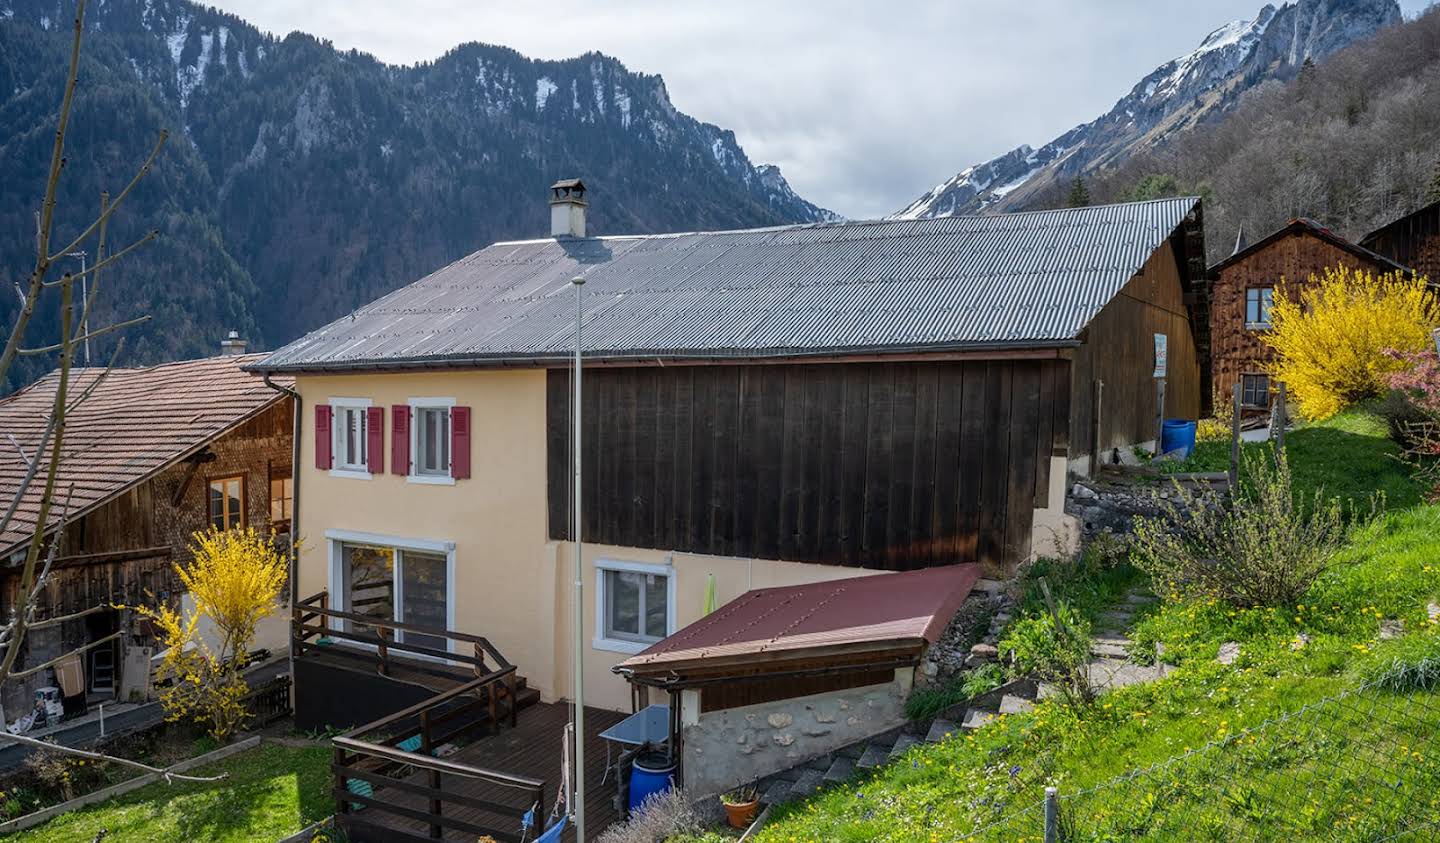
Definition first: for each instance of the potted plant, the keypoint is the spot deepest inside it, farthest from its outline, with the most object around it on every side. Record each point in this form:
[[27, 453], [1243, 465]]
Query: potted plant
[[740, 805]]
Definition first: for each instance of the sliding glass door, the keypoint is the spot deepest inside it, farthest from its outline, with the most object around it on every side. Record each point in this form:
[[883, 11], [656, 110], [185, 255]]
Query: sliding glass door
[[399, 585]]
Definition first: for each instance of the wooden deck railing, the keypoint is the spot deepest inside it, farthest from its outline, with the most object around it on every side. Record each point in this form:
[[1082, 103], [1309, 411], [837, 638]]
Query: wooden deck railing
[[405, 784], [386, 771]]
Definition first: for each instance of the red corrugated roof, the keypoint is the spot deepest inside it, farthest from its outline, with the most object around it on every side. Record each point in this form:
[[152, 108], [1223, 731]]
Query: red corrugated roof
[[137, 422], [909, 607]]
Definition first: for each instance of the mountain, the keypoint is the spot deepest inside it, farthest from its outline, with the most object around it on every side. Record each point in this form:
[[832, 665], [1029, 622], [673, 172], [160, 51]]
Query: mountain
[[1176, 96], [1353, 142], [301, 181]]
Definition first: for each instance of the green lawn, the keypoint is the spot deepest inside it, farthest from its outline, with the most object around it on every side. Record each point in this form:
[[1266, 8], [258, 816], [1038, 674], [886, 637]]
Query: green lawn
[[273, 791], [1349, 456], [1330, 781]]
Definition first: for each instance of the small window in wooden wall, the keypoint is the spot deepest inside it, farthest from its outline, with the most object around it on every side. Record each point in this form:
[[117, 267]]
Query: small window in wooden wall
[[227, 502], [1258, 301], [282, 499], [1255, 390]]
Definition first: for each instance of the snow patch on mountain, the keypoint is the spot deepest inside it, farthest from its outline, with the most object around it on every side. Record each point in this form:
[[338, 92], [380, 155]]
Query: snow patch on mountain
[[543, 89]]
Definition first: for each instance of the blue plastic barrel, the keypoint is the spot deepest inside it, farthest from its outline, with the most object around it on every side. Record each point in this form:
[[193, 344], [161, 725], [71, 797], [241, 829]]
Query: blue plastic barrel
[[1177, 435], [652, 773]]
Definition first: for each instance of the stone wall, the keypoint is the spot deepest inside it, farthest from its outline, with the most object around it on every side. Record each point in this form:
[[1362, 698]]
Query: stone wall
[[732, 747]]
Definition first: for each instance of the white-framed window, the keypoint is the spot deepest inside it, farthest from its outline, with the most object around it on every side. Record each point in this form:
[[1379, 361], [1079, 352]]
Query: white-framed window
[[349, 430], [430, 440], [394, 579], [634, 605]]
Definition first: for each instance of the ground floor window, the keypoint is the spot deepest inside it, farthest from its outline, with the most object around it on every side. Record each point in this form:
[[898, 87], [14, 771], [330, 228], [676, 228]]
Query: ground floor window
[[1255, 390], [397, 583], [635, 605]]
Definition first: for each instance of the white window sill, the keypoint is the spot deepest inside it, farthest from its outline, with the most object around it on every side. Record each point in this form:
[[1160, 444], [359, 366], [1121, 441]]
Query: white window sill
[[614, 645], [430, 480], [1257, 326], [352, 473]]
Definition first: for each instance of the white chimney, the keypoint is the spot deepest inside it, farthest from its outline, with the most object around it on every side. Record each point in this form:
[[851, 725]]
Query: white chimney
[[567, 208], [232, 345]]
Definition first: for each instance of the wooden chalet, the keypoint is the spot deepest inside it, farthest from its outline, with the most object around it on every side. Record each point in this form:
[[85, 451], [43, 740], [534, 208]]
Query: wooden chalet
[[1244, 286], [151, 457], [1412, 240]]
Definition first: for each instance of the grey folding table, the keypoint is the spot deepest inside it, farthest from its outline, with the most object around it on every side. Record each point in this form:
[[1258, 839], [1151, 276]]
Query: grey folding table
[[650, 724]]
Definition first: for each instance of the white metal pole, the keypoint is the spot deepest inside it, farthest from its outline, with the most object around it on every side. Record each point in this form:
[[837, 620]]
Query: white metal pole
[[577, 653], [85, 297]]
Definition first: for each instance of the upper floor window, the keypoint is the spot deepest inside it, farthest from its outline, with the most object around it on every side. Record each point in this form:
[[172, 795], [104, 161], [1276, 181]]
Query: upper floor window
[[227, 502], [351, 435], [432, 441], [1258, 301]]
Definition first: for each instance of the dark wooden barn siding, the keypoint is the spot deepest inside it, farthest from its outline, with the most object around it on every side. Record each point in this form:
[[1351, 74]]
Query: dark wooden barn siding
[[1118, 347], [1412, 241], [883, 465], [1287, 265]]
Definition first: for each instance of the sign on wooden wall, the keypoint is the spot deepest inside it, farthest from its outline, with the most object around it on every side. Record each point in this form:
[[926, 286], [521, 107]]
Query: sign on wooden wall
[[1161, 353]]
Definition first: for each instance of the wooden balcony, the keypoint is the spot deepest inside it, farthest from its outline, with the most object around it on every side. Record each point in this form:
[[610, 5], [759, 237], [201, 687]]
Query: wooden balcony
[[456, 746]]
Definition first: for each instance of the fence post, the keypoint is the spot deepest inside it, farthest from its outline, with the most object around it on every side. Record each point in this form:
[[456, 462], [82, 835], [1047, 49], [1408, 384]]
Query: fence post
[[1283, 413], [1235, 439], [436, 830], [1159, 414], [1052, 816]]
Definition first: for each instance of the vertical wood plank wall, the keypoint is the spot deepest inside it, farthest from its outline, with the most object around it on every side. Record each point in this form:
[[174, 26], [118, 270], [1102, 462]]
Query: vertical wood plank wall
[[877, 465], [1412, 241], [1118, 347]]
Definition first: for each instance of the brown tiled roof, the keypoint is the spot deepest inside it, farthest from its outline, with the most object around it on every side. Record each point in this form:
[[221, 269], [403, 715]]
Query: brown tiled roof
[[137, 422], [908, 608]]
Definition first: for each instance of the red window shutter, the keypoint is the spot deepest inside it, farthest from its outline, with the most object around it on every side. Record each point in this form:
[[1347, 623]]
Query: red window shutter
[[460, 442], [323, 458], [400, 439], [375, 439]]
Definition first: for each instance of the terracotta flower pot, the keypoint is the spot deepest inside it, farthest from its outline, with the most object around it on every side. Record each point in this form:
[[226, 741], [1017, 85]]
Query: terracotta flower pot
[[741, 814]]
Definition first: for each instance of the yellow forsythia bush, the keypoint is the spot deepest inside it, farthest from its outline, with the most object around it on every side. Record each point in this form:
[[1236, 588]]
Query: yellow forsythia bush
[[1331, 344], [235, 580]]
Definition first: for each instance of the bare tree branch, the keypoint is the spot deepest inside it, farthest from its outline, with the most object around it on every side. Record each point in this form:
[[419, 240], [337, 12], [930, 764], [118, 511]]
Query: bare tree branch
[[124, 762], [119, 198], [101, 264], [47, 207], [129, 323]]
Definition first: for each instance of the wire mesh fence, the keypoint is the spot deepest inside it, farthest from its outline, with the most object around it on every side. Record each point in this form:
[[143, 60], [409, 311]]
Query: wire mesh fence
[[1362, 765]]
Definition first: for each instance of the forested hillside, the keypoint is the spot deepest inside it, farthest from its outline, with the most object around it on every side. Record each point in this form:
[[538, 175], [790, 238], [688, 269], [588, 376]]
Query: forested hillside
[[301, 181], [1353, 141]]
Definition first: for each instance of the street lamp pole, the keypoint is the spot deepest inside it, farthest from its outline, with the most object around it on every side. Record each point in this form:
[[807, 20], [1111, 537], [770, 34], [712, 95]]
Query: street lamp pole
[[578, 621]]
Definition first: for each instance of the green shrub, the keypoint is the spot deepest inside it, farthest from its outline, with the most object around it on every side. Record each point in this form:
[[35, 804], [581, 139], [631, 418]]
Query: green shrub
[[1264, 547], [1052, 647], [982, 680]]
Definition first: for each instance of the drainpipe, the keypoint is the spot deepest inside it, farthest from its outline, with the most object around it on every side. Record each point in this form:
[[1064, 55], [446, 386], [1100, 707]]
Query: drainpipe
[[294, 571]]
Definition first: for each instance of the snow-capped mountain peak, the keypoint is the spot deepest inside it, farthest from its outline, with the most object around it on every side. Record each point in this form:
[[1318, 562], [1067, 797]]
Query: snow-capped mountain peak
[[1170, 99]]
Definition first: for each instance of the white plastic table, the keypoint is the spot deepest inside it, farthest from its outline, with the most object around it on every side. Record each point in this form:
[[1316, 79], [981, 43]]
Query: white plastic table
[[650, 724]]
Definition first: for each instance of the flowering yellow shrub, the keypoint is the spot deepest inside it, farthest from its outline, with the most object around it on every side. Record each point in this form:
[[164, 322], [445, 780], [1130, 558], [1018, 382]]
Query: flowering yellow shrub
[[235, 580], [1331, 344]]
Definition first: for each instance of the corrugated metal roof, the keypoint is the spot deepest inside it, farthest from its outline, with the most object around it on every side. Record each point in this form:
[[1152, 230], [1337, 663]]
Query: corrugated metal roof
[[1006, 280], [912, 607], [135, 423]]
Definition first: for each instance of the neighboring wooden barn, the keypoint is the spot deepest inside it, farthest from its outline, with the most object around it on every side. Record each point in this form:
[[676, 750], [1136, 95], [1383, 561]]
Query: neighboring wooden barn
[[155, 455], [1412, 240], [1245, 285]]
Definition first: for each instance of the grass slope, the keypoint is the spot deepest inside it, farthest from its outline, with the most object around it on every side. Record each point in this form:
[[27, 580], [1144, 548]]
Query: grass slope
[[1290, 657], [273, 791]]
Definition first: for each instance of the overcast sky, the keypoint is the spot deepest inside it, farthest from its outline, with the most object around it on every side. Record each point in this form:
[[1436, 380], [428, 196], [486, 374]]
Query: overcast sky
[[864, 105]]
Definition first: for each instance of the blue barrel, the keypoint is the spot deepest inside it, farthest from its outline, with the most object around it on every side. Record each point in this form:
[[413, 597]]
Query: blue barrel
[[1177, 435], [652, 773]]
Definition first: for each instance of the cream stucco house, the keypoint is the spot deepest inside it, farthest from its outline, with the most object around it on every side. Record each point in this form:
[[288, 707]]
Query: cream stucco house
[[768, 407]]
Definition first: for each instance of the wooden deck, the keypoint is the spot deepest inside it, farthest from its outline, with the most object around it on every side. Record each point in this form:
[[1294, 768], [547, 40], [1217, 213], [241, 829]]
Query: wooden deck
[[531, 749]]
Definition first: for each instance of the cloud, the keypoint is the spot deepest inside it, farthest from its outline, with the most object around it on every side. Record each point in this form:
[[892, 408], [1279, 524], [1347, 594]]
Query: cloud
[[864, 105]]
